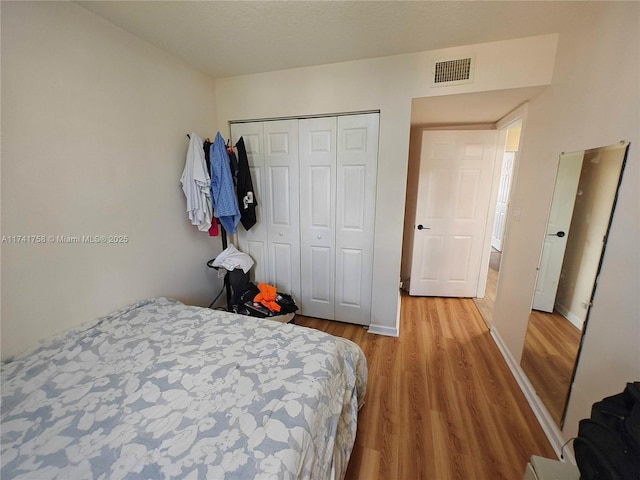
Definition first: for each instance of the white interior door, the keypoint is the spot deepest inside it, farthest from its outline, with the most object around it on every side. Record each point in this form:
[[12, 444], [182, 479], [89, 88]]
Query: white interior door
[[454, 191], [317, 215], [281, 198], [555, 242], [254, 242], [357, 165], [502, 204]]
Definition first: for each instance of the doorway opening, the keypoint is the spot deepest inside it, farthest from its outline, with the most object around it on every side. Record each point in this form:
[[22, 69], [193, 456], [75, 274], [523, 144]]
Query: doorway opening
[[496, 110], [505, 165]]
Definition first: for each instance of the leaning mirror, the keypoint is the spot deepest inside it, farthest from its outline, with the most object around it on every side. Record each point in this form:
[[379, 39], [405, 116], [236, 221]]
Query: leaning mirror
[[581, 210]]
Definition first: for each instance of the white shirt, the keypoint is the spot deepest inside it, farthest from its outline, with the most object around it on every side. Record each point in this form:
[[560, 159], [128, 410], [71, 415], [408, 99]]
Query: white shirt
[[231, 258], [196, 184]]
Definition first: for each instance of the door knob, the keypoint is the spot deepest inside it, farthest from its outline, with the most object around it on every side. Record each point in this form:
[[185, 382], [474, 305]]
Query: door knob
[[557, 234], [421, 227]]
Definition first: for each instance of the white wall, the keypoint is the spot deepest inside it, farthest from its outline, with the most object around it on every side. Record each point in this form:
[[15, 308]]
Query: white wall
[[593, 101], [94, 125], [386, 84], [411, 200]]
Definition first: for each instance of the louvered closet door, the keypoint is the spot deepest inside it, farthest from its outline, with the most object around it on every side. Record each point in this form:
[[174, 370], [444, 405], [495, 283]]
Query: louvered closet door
[[317, 215], [282, 205], [357, 163], [254, 242]]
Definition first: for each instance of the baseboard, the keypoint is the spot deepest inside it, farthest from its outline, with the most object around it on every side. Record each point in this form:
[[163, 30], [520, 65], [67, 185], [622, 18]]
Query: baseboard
[[551, 430], [384, 330], [570, 316]]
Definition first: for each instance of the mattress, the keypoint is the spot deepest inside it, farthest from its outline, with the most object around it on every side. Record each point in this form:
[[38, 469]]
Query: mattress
[[160, 389]]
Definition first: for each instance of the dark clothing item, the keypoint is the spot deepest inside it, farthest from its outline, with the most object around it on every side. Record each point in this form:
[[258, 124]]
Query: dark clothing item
[[206, 146], [239, 282], [247, 201], [233, 164], [254, 309], [287, 305]]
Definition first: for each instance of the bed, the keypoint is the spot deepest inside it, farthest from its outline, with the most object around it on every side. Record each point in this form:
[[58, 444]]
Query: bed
[[161, 390]]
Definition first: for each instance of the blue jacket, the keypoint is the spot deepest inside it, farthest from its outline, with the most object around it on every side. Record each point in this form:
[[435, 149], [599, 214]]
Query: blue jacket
[[223, 194]]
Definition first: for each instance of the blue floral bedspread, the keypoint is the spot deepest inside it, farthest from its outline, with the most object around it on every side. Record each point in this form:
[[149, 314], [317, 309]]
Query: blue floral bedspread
[[161, 390]]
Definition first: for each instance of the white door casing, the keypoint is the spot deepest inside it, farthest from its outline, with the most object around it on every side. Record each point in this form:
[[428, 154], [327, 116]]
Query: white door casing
[[560, 214], [454, 191]]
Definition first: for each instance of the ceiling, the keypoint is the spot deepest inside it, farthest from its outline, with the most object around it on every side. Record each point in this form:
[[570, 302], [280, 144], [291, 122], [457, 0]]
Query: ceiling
[[229, 38]]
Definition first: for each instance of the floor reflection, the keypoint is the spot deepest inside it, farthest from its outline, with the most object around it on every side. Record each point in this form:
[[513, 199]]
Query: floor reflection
[[550, 347], [485, 305], [548, 356]]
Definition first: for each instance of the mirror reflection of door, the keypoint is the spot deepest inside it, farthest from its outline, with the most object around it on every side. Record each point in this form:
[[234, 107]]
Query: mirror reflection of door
[[558, 228], [584, 197]]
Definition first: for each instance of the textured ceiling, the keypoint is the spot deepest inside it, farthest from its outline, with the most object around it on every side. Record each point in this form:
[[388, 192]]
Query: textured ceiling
[[228, 38]]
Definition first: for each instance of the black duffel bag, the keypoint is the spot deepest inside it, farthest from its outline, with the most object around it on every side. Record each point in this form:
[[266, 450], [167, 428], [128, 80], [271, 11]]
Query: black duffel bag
[[608, 444]]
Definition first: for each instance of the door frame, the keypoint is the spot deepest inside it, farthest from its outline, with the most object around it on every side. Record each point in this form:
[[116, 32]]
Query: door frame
[[519, 115]]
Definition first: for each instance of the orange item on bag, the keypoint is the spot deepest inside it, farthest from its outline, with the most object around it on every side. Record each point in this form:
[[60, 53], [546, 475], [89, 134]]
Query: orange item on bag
[[267, 297]]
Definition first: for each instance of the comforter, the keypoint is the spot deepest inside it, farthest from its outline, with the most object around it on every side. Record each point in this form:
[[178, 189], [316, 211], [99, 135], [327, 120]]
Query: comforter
[[164, 390]]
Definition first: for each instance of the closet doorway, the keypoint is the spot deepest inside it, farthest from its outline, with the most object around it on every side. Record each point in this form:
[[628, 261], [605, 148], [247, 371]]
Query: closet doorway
[[315, 183]]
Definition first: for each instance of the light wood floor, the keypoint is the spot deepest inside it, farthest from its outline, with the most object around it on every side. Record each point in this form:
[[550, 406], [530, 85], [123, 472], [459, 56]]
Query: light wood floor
[[441, 402], [548, 356]]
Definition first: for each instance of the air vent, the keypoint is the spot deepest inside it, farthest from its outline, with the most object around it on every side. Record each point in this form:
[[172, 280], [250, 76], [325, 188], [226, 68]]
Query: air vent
[[453, 71]]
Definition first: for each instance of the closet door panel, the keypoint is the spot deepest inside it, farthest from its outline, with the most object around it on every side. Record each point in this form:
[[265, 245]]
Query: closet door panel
[[352, 196], [257, 250], [254, 242], [317, 215], [283, 270], [320, 286], [279, 195], [282, 200], [357, 159], [350, 272]]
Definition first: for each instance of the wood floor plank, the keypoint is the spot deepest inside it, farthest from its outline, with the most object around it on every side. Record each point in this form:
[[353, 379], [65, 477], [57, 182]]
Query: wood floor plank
[[441, 402]]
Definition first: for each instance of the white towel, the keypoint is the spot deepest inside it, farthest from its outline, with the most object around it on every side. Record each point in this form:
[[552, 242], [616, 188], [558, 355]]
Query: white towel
[[231, 258]]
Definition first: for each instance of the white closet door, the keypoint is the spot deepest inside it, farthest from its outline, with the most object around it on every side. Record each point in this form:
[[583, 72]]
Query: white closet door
[[317, 215], [357, 160], [254, 242], [282, 205]]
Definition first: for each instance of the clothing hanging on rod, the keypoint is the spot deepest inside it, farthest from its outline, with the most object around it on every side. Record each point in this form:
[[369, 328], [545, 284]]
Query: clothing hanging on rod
[[247, 201], [195, 182], [222, 172], [223, 197]]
